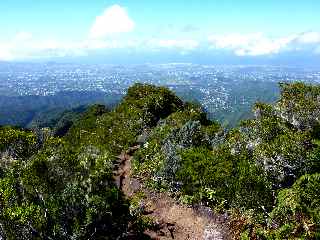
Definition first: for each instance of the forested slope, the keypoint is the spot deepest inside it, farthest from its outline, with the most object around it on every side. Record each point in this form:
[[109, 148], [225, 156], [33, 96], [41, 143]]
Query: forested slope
[[26, 111]]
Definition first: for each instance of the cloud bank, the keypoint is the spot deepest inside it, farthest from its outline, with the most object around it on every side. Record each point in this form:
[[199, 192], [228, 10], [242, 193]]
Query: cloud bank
[[257, 44]]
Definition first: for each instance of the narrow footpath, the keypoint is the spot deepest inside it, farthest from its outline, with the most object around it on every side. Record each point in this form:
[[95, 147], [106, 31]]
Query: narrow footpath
[[173, 220]]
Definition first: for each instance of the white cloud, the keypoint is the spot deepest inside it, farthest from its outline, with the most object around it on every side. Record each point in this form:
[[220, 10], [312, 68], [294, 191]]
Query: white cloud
[[115, 19], [23, 36], [173, 43], [23, 47], [256, 44], [5, 52], [233, 40], [46, 48], [7, 49], [309, 37]]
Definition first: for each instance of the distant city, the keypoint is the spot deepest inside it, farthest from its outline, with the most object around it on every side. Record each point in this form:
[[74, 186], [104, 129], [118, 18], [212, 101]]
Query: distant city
[[222, 90]]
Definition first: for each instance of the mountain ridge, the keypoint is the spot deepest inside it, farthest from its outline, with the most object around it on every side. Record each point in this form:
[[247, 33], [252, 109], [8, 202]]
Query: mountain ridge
[[264, 174]]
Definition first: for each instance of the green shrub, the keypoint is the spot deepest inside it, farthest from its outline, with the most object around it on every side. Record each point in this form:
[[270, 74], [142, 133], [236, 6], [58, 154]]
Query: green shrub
[[297, 212], [202, 170]]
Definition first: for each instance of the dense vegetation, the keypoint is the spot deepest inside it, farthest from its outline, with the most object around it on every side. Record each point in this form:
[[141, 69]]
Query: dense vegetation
[[64, 189], [265, 172], [57, 183]]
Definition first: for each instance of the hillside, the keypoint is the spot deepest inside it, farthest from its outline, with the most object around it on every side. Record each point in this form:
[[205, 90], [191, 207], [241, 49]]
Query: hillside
[[118, 174], [25, 111]]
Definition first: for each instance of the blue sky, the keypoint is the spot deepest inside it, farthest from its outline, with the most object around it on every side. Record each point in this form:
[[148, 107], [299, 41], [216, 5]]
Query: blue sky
[[63, 28]]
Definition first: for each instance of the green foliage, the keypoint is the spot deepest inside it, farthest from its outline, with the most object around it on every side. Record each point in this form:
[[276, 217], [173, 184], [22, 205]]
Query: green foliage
[[56, 119], [17, 140], [16, 145], [281, 137], [159, 159], [84, 126], [297, 213], [202, 170], [216, 177], [251, 187], [284, 158], [143, 107], [299, 104], [154, 102], [64, 193], [282, 141]]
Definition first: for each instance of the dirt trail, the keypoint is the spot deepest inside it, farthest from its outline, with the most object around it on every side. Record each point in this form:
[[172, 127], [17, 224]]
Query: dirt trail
[[174, 221]]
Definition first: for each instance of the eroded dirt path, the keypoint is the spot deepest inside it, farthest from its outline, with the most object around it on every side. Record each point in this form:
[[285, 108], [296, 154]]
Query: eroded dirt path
[[173, 220]]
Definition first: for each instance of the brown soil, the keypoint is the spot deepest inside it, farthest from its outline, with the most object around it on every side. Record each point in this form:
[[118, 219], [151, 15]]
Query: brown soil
[[173, 220]]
